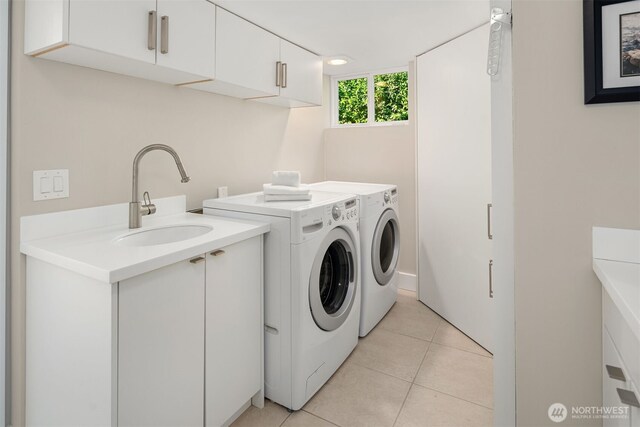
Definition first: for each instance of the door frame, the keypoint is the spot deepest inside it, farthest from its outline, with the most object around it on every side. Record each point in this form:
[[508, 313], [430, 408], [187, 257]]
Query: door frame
[[5, 73], [504, 362]]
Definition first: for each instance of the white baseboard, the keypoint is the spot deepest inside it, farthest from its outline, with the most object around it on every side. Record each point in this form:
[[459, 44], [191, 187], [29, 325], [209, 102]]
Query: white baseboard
[[407, 281]]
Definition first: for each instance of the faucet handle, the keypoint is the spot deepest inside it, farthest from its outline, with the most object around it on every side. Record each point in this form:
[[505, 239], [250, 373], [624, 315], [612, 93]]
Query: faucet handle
[[148, 208]]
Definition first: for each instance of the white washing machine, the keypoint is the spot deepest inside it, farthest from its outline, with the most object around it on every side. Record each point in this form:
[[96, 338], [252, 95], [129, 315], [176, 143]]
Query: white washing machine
[[379, 243], [312, 287]]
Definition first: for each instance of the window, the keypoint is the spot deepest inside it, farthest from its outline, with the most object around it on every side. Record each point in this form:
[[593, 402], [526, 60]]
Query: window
[[371, 99]]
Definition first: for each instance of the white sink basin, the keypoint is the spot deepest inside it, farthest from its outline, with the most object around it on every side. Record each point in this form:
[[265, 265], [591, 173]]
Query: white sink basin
[[163, 235]]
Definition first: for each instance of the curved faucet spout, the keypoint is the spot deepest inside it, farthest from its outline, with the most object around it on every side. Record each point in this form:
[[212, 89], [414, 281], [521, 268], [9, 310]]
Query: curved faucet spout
[[137, 209], [136, 161]]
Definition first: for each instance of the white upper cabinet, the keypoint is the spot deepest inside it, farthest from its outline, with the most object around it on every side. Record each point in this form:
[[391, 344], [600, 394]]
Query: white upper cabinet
[[115, 27], [187, 36], [252, 63], [246, 59], [182, 42], [301, 81], [171, 41]]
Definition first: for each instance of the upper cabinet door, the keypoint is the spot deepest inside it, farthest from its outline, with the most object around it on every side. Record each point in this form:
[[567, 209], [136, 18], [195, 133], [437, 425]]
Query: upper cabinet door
[[186, 36], [302, 74], [246, 55], [116, 27]]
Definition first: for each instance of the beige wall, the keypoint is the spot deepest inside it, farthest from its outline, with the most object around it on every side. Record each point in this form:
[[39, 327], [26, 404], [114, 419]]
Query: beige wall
[[576, 166], [93, 123], [380, 154]]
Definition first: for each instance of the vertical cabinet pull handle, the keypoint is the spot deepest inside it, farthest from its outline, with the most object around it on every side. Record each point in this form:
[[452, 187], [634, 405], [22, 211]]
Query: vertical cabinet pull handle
[[278, 73], [152, 31], [218, 252], [615, 373], [491, 278], [489, 231], [196, 260], [164, 35], [628, 397], [284, 75]]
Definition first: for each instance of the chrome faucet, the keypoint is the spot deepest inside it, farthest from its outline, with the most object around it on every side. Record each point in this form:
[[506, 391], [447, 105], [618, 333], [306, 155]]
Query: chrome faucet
[[137, 209]]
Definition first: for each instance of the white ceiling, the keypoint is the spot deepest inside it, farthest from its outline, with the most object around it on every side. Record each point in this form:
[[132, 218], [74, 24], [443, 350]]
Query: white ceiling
[[375, 34]]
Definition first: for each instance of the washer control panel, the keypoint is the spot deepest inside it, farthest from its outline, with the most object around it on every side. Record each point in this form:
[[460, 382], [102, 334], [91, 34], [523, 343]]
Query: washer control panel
[[390, 197], [344, 211]]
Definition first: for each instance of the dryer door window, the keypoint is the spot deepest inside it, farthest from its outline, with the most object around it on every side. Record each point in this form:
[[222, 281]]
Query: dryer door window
[[386, 247], [332, 286]]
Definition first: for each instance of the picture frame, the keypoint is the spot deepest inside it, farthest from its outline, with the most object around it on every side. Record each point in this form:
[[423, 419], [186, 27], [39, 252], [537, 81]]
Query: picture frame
[[611, 34]]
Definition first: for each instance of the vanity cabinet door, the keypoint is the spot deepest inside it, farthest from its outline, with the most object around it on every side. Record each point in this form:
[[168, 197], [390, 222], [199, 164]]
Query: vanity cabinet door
[[161, 346], [234, 328]]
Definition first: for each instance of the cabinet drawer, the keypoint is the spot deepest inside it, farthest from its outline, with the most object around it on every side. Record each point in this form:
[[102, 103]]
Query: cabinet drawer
[[610, 398], [622, 336]]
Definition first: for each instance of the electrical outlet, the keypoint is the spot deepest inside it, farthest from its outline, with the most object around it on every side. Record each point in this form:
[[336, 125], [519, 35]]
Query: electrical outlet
[[222, 192]]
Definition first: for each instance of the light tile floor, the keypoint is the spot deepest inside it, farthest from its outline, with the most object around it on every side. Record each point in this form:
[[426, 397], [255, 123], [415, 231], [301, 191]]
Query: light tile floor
[[413, 369]]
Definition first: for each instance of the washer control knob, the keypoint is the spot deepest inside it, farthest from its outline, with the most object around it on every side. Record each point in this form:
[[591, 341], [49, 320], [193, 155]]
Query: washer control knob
[[387, 198], [335, 212]]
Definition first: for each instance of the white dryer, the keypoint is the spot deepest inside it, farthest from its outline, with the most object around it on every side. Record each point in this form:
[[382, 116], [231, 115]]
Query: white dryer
[[312, 287], [380, 246]]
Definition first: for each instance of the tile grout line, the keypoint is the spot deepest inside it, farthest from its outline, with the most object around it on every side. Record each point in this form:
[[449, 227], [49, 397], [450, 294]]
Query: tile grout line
[[286, 418], [412, 383], [455, 397], [323, 419]]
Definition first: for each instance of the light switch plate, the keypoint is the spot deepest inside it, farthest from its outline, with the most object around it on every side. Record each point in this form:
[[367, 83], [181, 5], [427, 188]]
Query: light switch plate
[[51, 184], [222, 192]]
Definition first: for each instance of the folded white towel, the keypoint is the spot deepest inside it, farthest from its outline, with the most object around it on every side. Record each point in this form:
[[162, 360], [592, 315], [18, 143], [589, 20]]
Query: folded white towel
[[286, 197], [283, 189], [288, 178]]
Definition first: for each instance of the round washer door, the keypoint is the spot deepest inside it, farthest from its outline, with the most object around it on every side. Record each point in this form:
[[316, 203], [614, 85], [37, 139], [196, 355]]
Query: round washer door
[[385, 247], [332, 286]]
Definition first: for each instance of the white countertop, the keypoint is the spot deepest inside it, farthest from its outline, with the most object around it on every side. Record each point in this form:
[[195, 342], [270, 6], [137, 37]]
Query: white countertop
[[616, 262], [93, 253]]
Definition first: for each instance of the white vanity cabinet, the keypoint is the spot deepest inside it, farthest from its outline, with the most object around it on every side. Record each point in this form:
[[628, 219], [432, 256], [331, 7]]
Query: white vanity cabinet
[[616, 262], [167, 334], [171, 41], [167, 375], [253, 63]]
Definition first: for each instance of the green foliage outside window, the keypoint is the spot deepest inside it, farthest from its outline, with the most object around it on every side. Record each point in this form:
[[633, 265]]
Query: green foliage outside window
[[391, 97], [391, 101], [352, 99]]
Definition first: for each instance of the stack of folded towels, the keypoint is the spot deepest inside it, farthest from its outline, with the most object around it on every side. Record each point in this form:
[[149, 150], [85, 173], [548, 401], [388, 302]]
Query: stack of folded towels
[[285, 187]]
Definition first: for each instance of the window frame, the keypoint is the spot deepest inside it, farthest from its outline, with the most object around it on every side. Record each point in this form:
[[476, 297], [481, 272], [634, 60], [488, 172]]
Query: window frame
[[371, 117]]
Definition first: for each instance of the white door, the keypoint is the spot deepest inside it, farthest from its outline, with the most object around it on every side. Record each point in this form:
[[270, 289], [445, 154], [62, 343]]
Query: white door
[[234, 328], [454, 183], [302, 74], [117, 27], [186, 36], [161, 346], [246, 55]]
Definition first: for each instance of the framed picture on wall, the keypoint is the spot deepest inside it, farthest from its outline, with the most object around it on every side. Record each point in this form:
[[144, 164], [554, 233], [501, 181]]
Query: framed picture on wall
[[611, 51]]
